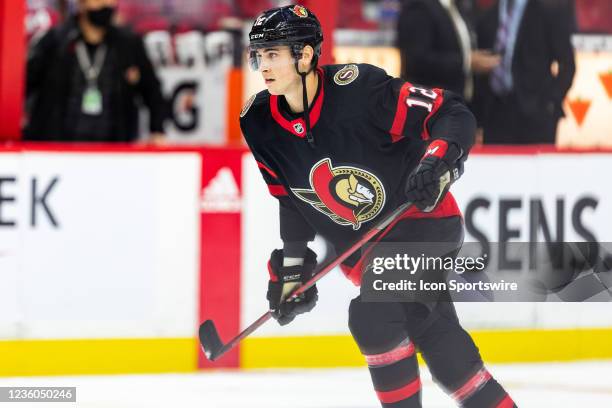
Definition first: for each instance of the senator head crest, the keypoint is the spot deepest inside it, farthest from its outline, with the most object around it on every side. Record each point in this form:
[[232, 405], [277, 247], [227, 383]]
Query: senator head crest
[[348, 195]]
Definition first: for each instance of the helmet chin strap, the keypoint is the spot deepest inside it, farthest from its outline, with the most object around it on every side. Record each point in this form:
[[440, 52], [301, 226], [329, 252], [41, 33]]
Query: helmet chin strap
[[306, 112]]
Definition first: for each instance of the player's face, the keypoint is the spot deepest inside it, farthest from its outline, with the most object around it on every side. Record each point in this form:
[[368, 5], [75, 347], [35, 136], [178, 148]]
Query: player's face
[[277, 68]]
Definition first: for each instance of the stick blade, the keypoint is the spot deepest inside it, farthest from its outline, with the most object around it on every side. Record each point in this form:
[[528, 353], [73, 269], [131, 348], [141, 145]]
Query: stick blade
[[210, 340]]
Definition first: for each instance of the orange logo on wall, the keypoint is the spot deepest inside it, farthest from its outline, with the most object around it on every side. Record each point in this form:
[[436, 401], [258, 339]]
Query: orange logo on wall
[[579, 108], [606, 80]]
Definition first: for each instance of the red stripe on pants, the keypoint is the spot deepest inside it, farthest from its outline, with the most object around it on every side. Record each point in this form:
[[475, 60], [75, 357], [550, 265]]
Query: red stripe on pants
[[401, 352], [407, 391], [472, 385], [506, 403]]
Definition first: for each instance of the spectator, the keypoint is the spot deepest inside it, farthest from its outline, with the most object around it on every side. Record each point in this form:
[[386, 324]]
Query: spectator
[[522, 98], [84, 79], [436, 46], [593, 16]]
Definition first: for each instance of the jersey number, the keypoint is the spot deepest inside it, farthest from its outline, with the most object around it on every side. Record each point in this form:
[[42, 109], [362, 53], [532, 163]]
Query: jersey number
[[428, 93]]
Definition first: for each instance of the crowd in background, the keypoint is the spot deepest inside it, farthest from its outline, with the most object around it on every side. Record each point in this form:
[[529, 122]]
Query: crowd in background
[[207, 15], [512, 60]]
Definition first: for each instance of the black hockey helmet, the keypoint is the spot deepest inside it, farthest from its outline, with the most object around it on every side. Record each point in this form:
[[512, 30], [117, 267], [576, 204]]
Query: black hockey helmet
[[294, 26]]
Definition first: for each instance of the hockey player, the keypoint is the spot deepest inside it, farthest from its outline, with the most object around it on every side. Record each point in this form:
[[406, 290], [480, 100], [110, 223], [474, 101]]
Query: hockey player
[[339, 146]]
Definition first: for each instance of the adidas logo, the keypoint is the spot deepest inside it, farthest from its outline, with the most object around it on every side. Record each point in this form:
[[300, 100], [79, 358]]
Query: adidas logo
[[221, 195]]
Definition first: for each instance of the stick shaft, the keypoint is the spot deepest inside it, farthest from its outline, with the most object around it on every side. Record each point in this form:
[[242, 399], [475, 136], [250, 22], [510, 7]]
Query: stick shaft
[[362, 241], [246, 332], [318, 276]]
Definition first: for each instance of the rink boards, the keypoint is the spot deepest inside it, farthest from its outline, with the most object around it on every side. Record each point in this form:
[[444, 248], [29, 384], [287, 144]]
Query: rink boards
[[98, 258], [110, 257]]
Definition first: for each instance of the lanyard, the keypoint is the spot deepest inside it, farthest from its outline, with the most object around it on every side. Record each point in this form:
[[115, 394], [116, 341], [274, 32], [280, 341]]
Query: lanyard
[[91, 71]]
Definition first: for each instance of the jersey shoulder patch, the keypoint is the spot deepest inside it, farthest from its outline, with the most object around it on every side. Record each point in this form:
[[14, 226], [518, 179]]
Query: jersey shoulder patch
[[253, 117], [346, 74], [247, 105], [260, 98]]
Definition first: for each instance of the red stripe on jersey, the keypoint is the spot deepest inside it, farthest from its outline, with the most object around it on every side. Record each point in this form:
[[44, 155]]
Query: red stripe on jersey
[[506, 403], [437, 103], [354, 273], [402, 351], [472, 385], [446, 208], [280, 119], [266, 168], [407, 391], [277, 190], [400, 113], [297, 126]]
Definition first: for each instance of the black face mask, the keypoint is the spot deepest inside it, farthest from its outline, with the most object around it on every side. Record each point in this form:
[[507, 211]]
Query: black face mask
[[101, 17]]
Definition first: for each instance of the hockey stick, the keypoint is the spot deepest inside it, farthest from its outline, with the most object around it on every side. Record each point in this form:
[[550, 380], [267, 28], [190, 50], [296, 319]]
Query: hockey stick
[[210, 341]]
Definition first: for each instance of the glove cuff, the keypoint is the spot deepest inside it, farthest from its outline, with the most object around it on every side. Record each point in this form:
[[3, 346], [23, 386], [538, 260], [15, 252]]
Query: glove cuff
[[276, 269], [443, 149], [437, 148]]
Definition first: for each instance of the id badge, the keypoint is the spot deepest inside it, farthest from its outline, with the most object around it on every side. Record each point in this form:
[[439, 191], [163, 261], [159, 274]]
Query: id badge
[[92, 101]]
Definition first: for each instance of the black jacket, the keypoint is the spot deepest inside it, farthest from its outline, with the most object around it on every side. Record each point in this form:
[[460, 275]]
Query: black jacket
[[429, 46], [52, 63], [544, 36]]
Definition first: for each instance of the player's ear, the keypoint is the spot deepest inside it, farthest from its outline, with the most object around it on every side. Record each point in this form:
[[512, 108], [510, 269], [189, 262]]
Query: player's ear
[[307, 56]]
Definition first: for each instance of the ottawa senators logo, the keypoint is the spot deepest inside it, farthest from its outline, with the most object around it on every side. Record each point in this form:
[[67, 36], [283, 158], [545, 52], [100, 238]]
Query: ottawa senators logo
[[300, 11], [347, 74], [347, 195]]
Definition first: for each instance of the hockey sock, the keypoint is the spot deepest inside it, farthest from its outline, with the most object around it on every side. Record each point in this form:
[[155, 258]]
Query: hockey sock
[[379, 330], [455, 364], [481, 390], [395, 375]]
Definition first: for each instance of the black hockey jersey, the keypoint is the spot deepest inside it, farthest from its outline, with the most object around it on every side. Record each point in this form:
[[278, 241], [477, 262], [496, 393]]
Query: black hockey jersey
[[370, 131]]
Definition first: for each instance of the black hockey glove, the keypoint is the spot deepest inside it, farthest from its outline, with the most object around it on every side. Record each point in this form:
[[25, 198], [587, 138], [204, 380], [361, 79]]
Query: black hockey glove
[[431, 179], [284, 280]]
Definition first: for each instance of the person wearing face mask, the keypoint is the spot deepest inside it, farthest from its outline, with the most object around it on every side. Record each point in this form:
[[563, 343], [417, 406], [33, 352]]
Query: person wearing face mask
[[85, 78]]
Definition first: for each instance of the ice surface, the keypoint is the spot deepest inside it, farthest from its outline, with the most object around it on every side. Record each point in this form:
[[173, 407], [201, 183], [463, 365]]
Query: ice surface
[[559, 385]]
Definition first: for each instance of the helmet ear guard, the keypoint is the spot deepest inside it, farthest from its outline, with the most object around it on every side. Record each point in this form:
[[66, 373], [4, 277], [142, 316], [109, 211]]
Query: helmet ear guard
[[296, 49], [296, 52]]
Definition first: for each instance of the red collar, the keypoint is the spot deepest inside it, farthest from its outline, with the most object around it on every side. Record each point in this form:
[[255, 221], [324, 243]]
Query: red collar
[[298, 126]]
